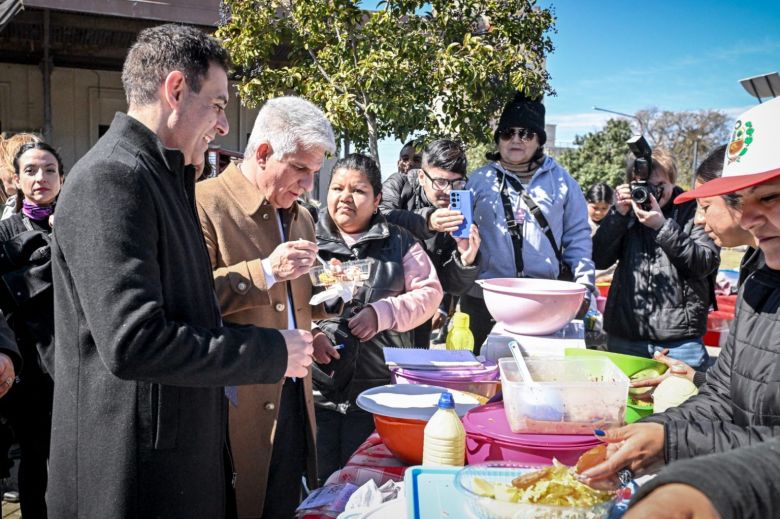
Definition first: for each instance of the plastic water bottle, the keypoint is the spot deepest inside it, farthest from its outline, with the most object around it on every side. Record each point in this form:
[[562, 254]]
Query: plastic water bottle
[[445, 437], [460, 337]]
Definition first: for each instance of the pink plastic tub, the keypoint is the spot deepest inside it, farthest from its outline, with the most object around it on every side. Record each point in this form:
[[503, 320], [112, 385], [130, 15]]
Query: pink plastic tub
[[488, 438], [528, 306], [481, 381]]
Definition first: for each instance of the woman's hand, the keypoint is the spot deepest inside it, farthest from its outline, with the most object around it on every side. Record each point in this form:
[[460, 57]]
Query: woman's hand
[[623, 199], [653, 218], [675, 500], [7, 374], [468, 247], [676, 367], [365, 324], [639, 447], [323, 349]]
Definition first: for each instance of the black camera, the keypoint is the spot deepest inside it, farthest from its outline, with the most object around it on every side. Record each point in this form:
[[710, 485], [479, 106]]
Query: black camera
[[641, 188]]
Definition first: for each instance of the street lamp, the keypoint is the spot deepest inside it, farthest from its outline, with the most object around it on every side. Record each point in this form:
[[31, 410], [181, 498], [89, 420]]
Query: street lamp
[[766, 85], [641, 124]]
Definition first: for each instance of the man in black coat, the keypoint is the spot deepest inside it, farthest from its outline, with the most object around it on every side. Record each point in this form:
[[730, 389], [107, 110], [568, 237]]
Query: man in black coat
[[141, 355], [419, 200]]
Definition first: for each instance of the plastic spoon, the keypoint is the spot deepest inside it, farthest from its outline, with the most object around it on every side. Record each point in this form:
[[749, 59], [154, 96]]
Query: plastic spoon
[[540, 402]]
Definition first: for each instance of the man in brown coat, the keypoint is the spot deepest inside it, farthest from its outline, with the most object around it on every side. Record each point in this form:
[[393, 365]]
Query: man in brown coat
[[261, 245]]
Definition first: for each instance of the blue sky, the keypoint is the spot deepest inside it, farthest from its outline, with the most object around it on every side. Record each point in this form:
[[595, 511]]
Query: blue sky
[[629, 55]]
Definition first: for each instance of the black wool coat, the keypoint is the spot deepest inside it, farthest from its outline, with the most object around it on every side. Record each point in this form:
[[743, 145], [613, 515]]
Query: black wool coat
[[141, 358]]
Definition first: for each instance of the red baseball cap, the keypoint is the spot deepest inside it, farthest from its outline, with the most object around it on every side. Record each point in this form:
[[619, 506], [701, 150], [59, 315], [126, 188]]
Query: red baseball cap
[[752, 156]]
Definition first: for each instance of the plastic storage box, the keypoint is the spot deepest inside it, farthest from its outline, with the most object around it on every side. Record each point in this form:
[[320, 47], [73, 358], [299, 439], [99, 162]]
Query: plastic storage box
[[567, 395], [356, 270]]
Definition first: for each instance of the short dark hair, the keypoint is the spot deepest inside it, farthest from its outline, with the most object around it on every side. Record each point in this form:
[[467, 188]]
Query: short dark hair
[[599, 193], [365, 165], [445, 154], [712, 168], [160, 50]]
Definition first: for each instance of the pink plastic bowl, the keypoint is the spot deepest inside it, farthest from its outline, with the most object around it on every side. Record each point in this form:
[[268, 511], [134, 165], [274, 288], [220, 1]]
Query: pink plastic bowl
[[532, 306]]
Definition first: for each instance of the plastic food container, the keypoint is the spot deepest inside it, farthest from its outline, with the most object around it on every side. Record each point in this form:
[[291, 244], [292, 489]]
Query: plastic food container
[[357, 270], [568, 395], [480, 381], [489, 438], [528, 306], [489, 508], [628, 364]]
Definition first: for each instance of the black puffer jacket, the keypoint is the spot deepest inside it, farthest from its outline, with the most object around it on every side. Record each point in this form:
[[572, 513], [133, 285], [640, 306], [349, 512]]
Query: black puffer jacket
[[404, 203], [363, 363], [746, 486], [662, 288], [739, 404]]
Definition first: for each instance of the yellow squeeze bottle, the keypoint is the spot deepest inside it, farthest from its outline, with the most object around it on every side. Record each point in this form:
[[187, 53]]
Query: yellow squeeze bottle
[[460, 337], [444, 441]]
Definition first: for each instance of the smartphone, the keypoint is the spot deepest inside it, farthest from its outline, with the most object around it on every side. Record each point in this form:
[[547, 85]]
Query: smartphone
[[460, 200]]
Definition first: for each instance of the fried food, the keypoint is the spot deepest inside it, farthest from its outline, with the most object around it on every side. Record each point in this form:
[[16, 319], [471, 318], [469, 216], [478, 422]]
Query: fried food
[[591, 458], [555, 485]]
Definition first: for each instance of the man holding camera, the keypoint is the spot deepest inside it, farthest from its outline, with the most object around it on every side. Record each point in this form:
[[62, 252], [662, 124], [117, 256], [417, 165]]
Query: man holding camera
[[662, 288]]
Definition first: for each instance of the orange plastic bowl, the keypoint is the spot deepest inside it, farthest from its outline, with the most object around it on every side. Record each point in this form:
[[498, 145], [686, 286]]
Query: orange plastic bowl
[[404, 438]]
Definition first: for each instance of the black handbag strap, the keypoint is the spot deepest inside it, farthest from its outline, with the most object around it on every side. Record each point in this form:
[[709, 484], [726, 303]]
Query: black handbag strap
[[514, 227], [533, 208]]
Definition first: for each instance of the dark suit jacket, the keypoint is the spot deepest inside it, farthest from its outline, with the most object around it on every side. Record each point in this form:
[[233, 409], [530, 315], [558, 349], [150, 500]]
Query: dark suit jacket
[[141, 357]]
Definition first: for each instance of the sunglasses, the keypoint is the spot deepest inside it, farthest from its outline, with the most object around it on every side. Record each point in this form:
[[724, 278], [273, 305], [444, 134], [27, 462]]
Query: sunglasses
[[523, 134], [442, 183]]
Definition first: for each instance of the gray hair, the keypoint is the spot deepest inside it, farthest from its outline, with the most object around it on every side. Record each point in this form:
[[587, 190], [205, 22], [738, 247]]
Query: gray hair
[[287, 123]]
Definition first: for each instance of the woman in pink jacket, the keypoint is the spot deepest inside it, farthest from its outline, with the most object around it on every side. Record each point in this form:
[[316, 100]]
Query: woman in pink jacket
[[402, 292]]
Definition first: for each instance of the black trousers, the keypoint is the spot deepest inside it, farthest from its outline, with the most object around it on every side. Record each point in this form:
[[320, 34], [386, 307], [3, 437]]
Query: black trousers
[[288, 458], [480, 320], [338, 437]]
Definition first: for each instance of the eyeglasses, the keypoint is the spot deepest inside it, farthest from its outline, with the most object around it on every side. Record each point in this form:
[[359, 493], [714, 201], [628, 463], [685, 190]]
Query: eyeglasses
[[524, 134], [442, 183]]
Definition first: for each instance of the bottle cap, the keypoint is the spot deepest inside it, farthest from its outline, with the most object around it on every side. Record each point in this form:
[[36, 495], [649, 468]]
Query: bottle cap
[[446, 401], [460, 319]]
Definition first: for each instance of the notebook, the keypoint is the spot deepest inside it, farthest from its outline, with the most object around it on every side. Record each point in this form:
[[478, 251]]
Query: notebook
[[419, 358]]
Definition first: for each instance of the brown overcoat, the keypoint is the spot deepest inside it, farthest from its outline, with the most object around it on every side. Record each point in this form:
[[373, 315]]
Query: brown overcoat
[[241, 229]]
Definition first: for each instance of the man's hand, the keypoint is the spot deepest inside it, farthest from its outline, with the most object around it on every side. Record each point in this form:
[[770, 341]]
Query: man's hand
[[299, 352], [365, 324], [445, 220], [292, 259], [638, 446], [623, 199], [654, 218], [7, 374], [323, 349], [676, 501], [468, 247]]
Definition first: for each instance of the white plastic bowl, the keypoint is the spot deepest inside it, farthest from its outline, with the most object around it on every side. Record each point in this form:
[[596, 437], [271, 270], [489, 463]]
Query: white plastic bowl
[[528, 306]]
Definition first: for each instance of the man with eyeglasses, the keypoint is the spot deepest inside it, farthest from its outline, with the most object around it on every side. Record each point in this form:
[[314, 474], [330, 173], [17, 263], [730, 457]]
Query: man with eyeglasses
[[532, 213], [419, 201]]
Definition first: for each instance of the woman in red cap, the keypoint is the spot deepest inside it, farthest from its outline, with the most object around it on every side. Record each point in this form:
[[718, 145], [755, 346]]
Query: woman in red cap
[[739, 404]]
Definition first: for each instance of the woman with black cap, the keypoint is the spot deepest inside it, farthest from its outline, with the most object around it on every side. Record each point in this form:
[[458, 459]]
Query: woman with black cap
[[532, 215]]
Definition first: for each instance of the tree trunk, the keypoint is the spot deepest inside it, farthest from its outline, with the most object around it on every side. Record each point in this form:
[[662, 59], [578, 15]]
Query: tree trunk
[[373, 143]]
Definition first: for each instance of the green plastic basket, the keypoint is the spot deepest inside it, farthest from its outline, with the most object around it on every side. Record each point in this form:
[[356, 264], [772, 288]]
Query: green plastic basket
[[629, 365]]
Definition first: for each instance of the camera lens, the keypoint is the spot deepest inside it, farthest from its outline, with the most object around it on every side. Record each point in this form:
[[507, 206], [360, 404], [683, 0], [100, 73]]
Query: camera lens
[[640, 194]]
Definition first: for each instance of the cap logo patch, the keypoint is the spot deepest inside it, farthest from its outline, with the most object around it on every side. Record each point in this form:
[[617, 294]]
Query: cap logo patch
[[741, 138]]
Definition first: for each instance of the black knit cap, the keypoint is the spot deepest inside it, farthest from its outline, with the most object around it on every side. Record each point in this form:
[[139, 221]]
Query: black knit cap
[[523, 112]]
